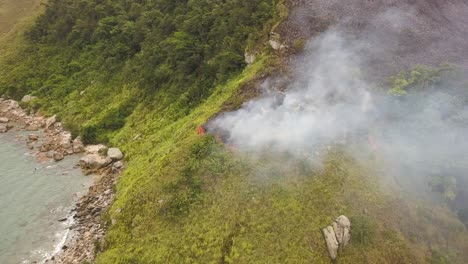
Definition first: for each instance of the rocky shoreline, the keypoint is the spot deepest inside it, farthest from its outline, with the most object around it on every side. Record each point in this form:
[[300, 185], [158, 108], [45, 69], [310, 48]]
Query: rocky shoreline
[[50, 141]]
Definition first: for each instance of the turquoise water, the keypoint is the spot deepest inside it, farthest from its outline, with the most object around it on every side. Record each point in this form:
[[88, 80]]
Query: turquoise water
[[33, 197]]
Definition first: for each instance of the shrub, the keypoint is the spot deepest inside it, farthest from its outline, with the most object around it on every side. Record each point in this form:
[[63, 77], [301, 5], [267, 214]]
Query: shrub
[[89, 134], [363, 230]]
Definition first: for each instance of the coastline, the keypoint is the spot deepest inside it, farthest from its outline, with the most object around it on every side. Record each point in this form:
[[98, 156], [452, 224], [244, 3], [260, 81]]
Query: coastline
[[48, 140]]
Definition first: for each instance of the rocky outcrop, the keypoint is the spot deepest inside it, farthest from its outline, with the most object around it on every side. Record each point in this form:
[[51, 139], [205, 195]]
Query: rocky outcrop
[[275, 42], [94, 162], [332, 242], [28, 98], [65, 140], [98, 157], [115, 154], [249, 58], [342, 227], [92, 149], [50, 121], [57, 140], [337, 235], [88, 229], [78, 145]]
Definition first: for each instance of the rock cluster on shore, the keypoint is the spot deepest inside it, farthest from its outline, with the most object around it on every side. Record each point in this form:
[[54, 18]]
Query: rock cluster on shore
[[55, 143], [88, 229], [99, 157]]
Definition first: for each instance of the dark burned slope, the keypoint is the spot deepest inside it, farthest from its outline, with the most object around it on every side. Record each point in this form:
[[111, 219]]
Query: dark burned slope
[[406, 31]]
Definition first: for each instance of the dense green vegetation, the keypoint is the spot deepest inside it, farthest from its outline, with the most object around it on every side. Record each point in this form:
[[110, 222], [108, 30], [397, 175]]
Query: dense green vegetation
[[143, 75], [121, 53]]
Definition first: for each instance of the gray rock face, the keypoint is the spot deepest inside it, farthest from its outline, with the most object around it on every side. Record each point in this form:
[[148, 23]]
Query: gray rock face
[[337, 236], [332, 243], [94, 161], [115, 154], [4, 120]]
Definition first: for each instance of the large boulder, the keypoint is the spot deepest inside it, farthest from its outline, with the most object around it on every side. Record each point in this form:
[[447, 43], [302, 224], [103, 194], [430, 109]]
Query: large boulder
[[78, 145], [4, 120], [115, 154], [342, 227], [337, 235], [65, 140], [94, 161], [93, 149], [332, 243], [28, 98]]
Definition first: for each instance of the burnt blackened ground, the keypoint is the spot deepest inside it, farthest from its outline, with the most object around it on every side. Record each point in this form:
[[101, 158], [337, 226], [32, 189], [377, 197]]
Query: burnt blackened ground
[[399, 33]]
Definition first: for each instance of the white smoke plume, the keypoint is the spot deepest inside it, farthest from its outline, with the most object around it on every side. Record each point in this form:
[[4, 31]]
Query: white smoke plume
[[330, 101]]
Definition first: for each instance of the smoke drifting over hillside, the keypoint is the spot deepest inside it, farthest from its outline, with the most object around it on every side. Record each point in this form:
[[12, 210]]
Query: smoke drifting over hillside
[[330, 101], [327, 100]]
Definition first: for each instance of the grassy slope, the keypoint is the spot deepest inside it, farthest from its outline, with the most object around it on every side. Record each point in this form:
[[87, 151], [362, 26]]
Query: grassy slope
[[13, 12], [186, 199], [15, 16]]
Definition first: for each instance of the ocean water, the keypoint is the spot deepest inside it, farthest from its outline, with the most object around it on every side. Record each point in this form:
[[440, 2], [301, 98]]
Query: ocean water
[[34, 196]]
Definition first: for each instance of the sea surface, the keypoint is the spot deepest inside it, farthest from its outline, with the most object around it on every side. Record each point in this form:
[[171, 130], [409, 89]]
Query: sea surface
[[34, 196]]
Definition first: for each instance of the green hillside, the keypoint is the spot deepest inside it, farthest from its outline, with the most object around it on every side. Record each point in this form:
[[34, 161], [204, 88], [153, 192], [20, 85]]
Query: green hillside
[[143, 76]]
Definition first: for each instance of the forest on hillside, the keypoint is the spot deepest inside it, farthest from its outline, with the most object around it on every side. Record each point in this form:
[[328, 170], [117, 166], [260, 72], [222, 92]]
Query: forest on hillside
[[183, 48]]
